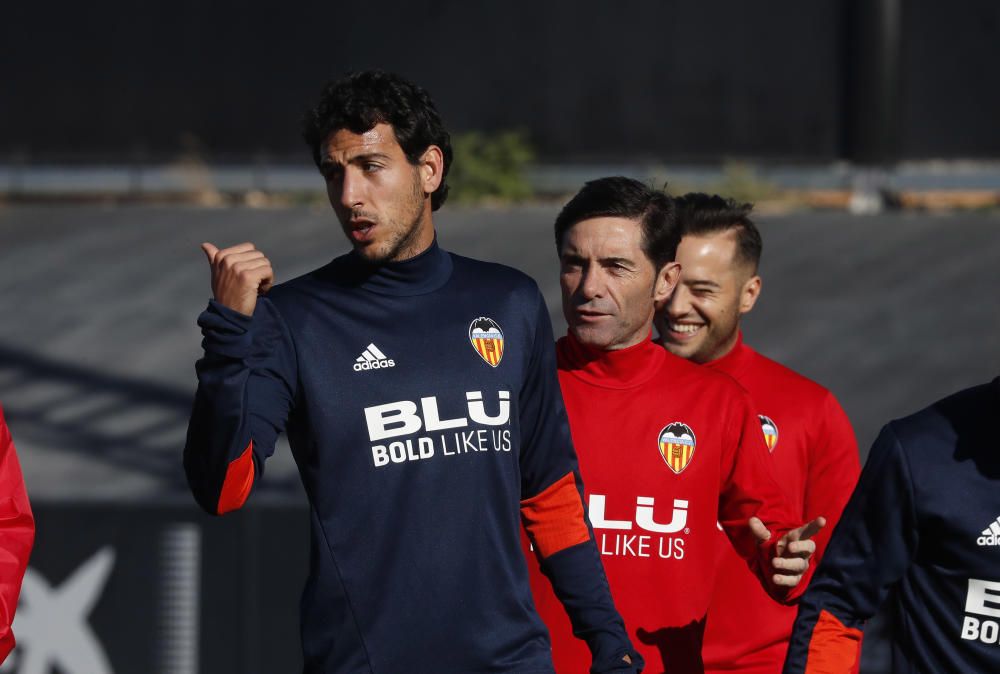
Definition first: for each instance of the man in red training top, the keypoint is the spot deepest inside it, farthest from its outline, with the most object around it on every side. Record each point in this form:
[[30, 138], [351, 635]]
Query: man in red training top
[[666, 448], [812, 444], [17, 534]]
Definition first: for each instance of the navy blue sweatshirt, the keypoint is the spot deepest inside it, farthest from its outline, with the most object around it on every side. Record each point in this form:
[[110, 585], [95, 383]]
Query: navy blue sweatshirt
[[921, 531], [421, 404]]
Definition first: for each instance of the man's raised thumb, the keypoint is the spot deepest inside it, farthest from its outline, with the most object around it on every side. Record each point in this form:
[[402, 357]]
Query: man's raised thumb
[[210, 251]]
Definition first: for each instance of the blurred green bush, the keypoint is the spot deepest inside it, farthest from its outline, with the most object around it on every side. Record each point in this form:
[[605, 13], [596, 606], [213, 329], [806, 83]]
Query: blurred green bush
[[490, 167], [740, 181]]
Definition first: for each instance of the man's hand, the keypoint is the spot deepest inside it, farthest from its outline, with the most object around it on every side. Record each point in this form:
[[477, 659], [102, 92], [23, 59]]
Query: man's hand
[[239, 274], [792, 553]]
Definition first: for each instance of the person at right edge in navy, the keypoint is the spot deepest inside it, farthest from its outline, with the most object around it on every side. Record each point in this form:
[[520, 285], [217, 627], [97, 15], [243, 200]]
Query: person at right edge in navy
[[418, 390], [922, 533]]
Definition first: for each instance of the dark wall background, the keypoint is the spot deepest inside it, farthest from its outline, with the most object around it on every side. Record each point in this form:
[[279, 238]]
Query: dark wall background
[[950, 83], [629, 80]]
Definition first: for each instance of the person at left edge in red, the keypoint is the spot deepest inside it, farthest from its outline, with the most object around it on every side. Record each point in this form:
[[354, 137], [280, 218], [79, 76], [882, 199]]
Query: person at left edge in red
[[666, 448], [17, 534]]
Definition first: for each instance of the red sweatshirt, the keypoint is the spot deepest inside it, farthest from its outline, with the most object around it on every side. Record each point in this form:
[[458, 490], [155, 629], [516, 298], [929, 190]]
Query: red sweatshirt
[[17, 533], [815, 458], [666, 449]]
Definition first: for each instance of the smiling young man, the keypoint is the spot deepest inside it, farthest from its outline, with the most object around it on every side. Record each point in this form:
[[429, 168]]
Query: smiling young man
[[812, 444], [419, 395], [666, 448]]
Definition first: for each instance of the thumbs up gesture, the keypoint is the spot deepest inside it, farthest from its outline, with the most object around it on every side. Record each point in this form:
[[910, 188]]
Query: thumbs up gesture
[[239, 275]]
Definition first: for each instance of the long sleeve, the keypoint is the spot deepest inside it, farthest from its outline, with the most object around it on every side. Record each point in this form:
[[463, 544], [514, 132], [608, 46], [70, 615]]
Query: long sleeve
[[871, 549], [246, 390], [17, 534], [749, 489], [553, 513]]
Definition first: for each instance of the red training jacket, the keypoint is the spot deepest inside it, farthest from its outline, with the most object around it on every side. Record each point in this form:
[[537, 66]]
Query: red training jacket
[[17, 534], [815, 458], [666, 450]]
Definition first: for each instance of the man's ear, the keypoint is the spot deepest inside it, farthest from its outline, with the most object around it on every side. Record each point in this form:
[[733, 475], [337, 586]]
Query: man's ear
[[666, 281], [431, 169], [749, 294]]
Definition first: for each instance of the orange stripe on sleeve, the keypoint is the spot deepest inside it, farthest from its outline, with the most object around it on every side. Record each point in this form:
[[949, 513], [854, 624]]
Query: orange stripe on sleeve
[[833, 646], [239, 480], [554, 518]]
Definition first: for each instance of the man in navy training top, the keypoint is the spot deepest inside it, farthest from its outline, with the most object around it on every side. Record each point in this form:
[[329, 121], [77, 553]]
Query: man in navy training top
[[921, 532], [419, 394]]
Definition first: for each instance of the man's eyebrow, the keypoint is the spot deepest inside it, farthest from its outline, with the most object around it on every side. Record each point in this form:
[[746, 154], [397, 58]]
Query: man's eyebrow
[[365, 156], [326, 160], [702, 282], [618, 260], [606, 261]]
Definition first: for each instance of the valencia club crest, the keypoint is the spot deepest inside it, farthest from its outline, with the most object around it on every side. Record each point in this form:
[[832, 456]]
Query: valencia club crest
[[770, 431], [487, 339], [677, 445]]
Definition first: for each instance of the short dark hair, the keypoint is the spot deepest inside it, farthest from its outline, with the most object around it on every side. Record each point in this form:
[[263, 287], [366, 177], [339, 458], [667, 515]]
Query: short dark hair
[[361, 100], [620, 197], [699, 214]]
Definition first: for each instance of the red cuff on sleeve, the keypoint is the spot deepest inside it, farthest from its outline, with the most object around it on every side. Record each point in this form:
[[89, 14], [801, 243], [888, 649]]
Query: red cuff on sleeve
[[239, 480], [833, 646], [554, 518]]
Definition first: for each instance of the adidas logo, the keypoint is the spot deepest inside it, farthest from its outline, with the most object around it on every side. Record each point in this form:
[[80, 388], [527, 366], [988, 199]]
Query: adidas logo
[[991, 534], [372, 359]]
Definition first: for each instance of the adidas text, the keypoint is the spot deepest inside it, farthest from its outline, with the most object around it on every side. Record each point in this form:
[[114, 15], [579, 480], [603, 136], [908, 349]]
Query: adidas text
[[992, 539], [374, 364]]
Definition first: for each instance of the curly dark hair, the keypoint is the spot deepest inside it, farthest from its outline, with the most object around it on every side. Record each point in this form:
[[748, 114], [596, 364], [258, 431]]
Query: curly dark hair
[[361, 100], [699, 214], [622, 197]]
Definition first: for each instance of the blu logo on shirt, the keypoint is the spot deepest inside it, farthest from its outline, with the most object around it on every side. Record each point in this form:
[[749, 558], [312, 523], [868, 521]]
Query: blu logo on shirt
[[405, 417], [641, 544], [982, 599]]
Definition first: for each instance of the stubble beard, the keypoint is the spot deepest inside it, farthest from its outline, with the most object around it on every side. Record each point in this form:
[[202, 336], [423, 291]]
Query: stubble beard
[[402, 241], [715, 345]]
